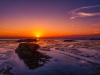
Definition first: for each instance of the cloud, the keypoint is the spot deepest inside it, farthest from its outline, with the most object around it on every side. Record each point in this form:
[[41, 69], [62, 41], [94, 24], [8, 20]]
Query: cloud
[[79, 13]]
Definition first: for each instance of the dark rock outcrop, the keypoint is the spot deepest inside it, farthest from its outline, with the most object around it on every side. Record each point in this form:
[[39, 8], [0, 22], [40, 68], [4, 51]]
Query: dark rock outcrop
[[31, 56], [69, 40], [94, 39], [26, 40]]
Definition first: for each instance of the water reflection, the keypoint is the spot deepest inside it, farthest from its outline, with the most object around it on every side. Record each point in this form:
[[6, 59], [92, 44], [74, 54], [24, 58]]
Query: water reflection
[[6, 71], [31, 57]]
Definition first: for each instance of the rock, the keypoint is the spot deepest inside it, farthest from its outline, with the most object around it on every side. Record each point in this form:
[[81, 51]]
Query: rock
[[33, 47], [31, 56], [27, 40], [94, 39], [69, 40]]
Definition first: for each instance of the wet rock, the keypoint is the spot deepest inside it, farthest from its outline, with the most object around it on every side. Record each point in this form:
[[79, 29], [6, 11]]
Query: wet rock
[[31, 56], [6, 71], [69, 40], [94, 39], [27, 40]]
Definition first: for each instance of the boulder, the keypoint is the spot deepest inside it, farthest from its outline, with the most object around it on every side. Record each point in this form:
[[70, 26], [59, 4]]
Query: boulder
[[31, 56]]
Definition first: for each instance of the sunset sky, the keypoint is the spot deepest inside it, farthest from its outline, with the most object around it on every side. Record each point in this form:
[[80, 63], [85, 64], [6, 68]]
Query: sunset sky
[[49, 18]]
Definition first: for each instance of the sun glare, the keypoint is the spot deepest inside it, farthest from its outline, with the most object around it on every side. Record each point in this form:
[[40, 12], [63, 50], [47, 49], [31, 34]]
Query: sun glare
[[37, 35]]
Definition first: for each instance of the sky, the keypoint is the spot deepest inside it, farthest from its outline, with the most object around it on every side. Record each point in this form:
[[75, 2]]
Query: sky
[[49, 18]]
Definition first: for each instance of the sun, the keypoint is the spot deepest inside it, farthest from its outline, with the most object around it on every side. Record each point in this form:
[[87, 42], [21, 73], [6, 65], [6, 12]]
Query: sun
[[37, 35]]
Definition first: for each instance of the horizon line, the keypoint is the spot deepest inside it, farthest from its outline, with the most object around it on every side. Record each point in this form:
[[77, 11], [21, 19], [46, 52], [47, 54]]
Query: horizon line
[[71, 36]]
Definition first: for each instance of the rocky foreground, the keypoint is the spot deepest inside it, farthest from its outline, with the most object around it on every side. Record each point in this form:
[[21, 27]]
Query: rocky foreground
[[50, 57]]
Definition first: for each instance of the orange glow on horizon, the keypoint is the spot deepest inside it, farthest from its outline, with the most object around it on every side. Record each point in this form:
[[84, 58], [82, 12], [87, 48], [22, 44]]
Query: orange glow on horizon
[[44, 28], [41, 33], [37, 35]]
